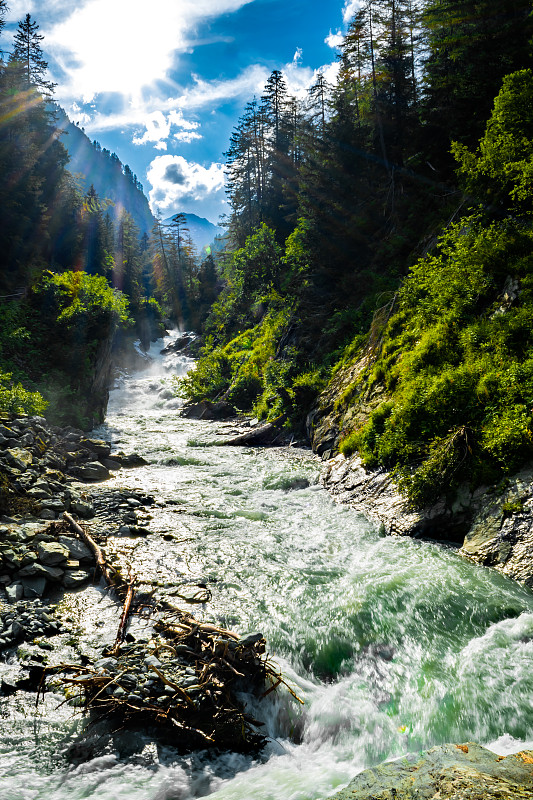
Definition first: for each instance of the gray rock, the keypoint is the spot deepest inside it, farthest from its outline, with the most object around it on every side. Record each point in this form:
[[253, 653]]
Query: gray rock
[[14, 592], [152, 661], [33, 587], [77, 549], [447, 772], [74, 578], [106, 663], [111, 464], [133, 460], [19, 458], [250, 638], [94, 471], [53, 505], [98, 446], [37, 493], [52, 553], [47, 513], [206, 409], [82, 508]]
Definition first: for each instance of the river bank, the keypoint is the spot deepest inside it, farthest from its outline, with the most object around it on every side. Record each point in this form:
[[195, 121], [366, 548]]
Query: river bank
[[491, 524], [395, 645]]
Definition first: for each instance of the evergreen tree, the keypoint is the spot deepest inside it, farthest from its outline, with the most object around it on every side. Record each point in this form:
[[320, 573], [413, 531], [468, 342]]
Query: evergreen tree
[[472, 44], [28, 56]]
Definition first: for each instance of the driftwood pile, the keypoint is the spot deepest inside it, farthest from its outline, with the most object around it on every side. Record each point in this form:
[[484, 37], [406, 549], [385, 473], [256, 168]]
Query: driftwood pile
[[183, 684]]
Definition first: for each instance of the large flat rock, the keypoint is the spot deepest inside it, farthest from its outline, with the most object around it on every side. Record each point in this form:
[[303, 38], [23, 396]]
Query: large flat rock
[[447, 772]]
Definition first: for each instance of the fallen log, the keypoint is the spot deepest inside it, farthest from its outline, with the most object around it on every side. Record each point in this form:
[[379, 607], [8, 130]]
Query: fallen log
[[110, 574]]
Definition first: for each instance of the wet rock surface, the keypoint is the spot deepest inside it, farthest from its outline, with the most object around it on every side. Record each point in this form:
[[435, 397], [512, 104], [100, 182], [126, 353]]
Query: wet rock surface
[[493, 524], [448, 772]]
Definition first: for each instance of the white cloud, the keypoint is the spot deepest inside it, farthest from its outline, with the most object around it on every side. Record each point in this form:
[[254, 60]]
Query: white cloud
[[299, 79], [154, 112], [334, 40], [121, 46], [178, 184], [209, 93], [187, 136], [350, 7], [157, 129]]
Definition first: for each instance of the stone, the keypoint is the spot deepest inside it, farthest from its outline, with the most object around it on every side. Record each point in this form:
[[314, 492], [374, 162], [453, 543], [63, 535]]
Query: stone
[[447, 772], [133, 460], [93, 471], [98, 446], [33, 587], [15, 592], [250, 638], [205, 409], [47, 513], [78, 550], [38, 493], [19, 458], [52, 553], [74, 578], [111, 464], [53, 504], [152, 661], [82, 508], [106, 663], [37, 570]]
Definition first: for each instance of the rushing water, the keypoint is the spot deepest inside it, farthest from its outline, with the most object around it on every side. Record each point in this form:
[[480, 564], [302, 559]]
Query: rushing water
[[393, 644]]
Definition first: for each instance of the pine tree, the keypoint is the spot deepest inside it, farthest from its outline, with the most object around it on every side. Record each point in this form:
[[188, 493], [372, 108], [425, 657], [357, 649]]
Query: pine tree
[[472, 44], [3, 10], [28, 56]]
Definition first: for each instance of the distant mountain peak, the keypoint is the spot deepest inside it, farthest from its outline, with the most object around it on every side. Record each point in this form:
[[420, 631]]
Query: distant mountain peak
[[203, 232]]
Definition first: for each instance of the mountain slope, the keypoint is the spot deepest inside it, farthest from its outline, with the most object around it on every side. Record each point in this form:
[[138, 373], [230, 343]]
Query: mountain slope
[[94, 165]]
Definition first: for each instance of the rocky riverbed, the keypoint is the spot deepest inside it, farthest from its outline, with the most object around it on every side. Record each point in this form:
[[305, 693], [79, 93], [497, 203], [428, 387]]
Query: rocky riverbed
[[178, 677]]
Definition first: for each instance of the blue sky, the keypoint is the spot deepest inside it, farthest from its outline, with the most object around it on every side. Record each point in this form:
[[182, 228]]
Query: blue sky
[[163, 82]]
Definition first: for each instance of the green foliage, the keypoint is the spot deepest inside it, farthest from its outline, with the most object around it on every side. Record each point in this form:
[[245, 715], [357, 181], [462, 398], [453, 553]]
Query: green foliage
[[78, 296], [501, 172], [456, 360], [252, 285], [15, 399], [237, 370]]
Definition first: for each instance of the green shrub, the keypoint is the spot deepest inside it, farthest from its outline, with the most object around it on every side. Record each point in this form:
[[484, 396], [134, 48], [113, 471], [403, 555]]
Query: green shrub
[[15, 399]]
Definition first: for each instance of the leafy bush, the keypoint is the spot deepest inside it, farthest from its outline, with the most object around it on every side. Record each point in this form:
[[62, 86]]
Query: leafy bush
[[15, 399]]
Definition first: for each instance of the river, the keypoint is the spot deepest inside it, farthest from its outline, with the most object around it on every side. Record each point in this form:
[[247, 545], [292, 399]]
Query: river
[[394, 645]]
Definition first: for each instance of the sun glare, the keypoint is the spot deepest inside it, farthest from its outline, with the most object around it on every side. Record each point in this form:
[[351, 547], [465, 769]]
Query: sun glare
[[124, 45]]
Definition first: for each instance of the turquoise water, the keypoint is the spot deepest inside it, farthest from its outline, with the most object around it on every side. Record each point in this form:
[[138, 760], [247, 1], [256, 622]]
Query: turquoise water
[[393, 644]]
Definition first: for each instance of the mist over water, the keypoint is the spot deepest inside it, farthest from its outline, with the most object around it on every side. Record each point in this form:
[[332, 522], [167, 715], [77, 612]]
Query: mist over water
[[393, 644]]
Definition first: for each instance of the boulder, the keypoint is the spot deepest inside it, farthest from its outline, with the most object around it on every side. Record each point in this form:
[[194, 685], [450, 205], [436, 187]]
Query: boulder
[[98, 446], [82, 509], [93, 471], [72, 579], [33, 587], [52, 553], [76, 548], [446, 772], [19, 458], [205, 409]]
